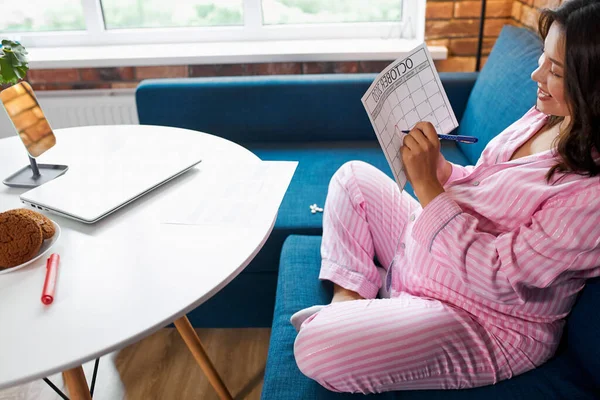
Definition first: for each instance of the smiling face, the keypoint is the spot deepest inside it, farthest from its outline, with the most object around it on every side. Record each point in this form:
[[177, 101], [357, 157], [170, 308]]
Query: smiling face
[[550, 75]]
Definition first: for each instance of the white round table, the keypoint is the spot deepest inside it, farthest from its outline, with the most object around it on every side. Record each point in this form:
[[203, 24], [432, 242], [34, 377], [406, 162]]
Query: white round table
[[129, 274]]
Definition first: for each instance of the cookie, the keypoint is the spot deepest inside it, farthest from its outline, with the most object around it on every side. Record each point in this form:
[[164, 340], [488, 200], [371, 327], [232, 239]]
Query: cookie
[[47, 226], [20, 239]]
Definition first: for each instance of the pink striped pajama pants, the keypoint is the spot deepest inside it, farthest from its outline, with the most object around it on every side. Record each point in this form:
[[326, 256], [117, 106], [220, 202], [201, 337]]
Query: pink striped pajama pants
[[377, 345]]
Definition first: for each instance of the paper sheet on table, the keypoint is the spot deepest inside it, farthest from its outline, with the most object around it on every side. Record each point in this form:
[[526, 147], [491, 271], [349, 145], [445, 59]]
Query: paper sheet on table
[[247, 193], [408, 91]]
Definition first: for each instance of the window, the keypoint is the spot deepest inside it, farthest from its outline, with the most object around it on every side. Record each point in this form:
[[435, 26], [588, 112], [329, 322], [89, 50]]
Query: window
[[106, 22], [126, 14], [42, 15], [330, 11]]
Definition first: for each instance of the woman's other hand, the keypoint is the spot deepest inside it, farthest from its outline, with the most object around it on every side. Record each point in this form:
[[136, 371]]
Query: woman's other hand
[[421, 158]]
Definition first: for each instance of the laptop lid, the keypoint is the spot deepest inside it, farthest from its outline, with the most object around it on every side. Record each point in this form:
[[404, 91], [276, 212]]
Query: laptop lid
[[89, 192]]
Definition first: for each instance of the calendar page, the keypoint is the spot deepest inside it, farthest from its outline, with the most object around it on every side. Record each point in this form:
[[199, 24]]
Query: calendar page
[[408, 91]]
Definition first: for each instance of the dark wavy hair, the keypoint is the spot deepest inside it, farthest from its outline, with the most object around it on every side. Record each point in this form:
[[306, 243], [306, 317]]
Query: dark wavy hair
[[580, 23]]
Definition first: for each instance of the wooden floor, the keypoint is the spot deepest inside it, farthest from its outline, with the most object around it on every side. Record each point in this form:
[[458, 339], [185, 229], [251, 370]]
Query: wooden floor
[[161, 367]]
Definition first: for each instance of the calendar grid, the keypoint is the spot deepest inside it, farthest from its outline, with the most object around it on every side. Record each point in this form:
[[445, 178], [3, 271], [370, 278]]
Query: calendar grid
[[406, 92]]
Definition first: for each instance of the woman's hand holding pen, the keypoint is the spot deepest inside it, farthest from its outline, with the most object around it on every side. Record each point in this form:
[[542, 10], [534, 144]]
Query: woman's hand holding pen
[[421, 157]]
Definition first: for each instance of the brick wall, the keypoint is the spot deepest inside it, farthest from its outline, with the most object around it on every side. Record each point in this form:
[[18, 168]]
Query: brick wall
[[451, 23], [455, 24], [526, 12]]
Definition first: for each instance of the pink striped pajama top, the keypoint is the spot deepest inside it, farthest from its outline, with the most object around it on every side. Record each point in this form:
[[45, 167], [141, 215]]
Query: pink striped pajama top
[[500, 257]]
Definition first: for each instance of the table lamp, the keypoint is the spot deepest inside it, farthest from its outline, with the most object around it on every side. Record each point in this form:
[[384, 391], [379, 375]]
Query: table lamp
[[34, 130]]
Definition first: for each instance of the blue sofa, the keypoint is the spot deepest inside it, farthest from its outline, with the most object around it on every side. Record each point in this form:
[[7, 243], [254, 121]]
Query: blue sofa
[[319, 121]]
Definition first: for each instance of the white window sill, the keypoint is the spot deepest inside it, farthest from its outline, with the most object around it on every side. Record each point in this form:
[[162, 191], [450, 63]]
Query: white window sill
[[226, 53]]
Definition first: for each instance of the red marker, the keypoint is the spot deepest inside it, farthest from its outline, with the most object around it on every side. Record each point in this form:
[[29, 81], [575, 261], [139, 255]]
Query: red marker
[[50, 282]]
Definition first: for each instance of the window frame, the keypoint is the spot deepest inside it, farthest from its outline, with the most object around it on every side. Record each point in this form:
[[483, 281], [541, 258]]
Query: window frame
[[412, 27]]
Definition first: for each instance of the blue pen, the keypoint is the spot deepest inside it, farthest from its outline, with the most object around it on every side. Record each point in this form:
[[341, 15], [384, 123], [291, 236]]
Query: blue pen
[[456, 138]]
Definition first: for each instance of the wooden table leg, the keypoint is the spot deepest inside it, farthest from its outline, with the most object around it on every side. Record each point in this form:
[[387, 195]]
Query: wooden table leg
[[76, 384], [192, 341]]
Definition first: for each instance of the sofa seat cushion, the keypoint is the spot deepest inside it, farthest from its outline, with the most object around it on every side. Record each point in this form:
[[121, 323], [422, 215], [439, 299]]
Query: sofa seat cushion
[[298, 287], [316, 165]]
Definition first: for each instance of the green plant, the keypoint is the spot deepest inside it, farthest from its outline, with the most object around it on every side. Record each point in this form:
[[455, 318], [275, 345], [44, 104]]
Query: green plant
[[13, 62]]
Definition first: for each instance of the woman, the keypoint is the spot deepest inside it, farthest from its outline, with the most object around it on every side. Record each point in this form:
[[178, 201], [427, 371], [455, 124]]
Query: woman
[[484, 268]]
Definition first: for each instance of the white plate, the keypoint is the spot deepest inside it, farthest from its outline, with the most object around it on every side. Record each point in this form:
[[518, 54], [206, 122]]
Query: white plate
[[46, 246]]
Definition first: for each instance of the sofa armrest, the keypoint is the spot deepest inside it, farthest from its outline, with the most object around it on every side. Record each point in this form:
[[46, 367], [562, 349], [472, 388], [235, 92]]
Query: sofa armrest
[[458, 86]]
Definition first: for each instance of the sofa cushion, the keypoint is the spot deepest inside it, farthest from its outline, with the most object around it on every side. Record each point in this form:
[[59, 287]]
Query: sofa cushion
[[276, 108], [504, 90], [284, 108], [317, 164], [298, 287]]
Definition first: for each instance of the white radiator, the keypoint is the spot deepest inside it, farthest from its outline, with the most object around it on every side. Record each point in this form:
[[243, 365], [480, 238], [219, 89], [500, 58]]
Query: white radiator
[[68, 108]]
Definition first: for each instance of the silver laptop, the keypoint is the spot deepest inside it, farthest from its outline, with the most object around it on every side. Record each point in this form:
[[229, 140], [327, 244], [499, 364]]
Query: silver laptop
[[88, 193]]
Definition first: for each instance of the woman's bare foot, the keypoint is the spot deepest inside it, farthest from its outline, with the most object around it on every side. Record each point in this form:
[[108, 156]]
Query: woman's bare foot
[[341, 294]]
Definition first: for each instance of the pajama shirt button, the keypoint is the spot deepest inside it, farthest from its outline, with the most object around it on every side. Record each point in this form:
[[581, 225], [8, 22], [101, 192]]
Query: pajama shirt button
[[402, 246], [476, 183], [412, 217]]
